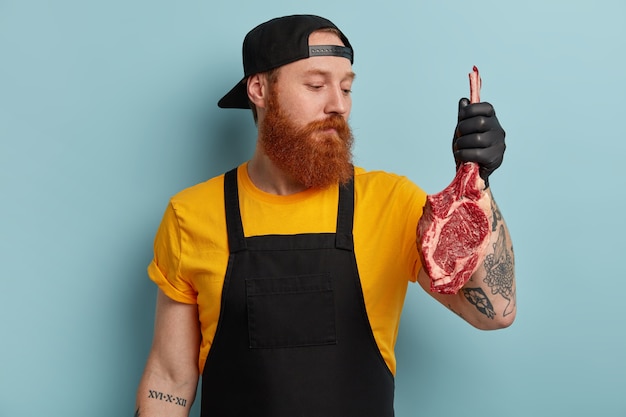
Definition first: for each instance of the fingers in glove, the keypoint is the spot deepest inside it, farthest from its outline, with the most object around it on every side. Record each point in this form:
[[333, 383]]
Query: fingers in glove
[[467, 110], [477, 124], [478, 140], [488, 159]]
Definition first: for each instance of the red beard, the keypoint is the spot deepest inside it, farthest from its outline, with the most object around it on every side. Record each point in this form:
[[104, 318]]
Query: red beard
[[316, 155]]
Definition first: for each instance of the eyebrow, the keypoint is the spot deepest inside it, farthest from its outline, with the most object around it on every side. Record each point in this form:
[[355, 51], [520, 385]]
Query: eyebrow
[[349, 75]]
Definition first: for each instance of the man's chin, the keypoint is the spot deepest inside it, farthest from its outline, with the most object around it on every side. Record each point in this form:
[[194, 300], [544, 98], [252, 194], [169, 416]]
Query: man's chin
[[325, 176]]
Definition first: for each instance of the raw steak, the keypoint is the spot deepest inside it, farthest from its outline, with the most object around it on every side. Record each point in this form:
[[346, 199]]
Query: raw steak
[[454, 229]]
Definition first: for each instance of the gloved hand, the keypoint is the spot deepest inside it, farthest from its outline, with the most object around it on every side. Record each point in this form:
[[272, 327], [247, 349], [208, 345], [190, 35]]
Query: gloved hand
[[478, 137]]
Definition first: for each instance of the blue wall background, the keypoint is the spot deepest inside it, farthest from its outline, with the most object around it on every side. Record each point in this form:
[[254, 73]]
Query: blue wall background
[[108, 108]]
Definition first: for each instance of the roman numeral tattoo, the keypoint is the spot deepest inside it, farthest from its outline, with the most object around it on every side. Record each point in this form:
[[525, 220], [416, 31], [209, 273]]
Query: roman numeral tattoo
[[167, 398]]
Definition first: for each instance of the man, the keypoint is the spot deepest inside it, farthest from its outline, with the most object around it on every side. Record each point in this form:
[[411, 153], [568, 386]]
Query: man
[[282, 281]]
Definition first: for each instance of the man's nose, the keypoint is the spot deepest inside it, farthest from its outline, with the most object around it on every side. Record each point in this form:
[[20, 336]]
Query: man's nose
[[338, 101]]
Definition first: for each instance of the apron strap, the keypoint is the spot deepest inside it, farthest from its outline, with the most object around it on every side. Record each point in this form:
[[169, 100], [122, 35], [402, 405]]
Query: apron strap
[[234, 226], [345, 216]]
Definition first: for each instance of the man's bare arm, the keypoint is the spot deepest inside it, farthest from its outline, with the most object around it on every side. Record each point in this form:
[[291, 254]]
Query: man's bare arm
[[170, 379], [487, 301]]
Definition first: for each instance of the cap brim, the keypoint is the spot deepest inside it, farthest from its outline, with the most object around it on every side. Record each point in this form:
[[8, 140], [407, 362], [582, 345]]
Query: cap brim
[[236, 98]]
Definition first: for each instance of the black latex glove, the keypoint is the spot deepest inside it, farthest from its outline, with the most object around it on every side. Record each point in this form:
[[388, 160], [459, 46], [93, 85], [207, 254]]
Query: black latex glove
[[478, 137]]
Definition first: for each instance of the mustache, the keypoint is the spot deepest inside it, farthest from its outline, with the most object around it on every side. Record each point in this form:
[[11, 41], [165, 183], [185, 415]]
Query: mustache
[[334, 121]]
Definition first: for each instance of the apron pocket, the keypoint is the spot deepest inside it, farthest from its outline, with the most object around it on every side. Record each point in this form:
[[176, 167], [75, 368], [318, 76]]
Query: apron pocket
[[291, 311]]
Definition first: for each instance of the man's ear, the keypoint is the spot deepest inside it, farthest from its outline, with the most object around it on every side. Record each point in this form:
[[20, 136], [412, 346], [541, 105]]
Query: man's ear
[[257, 90]]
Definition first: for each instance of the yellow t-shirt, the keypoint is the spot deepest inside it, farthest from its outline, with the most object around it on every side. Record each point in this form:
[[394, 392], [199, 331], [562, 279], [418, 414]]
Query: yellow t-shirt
[[191, 245]]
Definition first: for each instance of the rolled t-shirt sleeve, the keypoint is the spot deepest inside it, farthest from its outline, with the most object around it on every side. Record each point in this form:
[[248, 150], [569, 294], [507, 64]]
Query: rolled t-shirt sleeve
[[166, 266]]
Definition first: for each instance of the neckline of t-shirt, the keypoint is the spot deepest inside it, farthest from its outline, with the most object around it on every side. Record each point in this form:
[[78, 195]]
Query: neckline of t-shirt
[[248, 186]]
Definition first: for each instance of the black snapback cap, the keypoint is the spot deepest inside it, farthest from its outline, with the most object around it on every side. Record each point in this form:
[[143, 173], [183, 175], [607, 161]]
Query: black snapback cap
[[278, 42]]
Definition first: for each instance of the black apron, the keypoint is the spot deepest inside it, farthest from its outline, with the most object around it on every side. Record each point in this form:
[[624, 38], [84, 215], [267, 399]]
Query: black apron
[[293, 337]]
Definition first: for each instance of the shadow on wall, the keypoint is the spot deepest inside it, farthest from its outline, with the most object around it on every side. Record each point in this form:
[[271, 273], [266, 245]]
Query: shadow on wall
[[216, 141], [222, 138], [230, 140]]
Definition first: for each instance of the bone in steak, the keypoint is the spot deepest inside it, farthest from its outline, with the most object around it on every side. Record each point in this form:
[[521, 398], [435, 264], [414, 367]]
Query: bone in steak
[[454, 229]]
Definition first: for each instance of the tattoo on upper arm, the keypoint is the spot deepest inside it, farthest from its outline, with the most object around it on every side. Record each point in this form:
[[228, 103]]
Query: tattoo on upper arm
[[137, 413], [478, 297], [168, 398], [500, 271]]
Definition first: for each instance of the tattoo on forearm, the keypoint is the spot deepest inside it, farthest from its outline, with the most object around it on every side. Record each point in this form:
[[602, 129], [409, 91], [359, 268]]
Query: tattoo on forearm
[[500, 271], [496, 216], [167, 398], [478, 298], [137, 413]]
